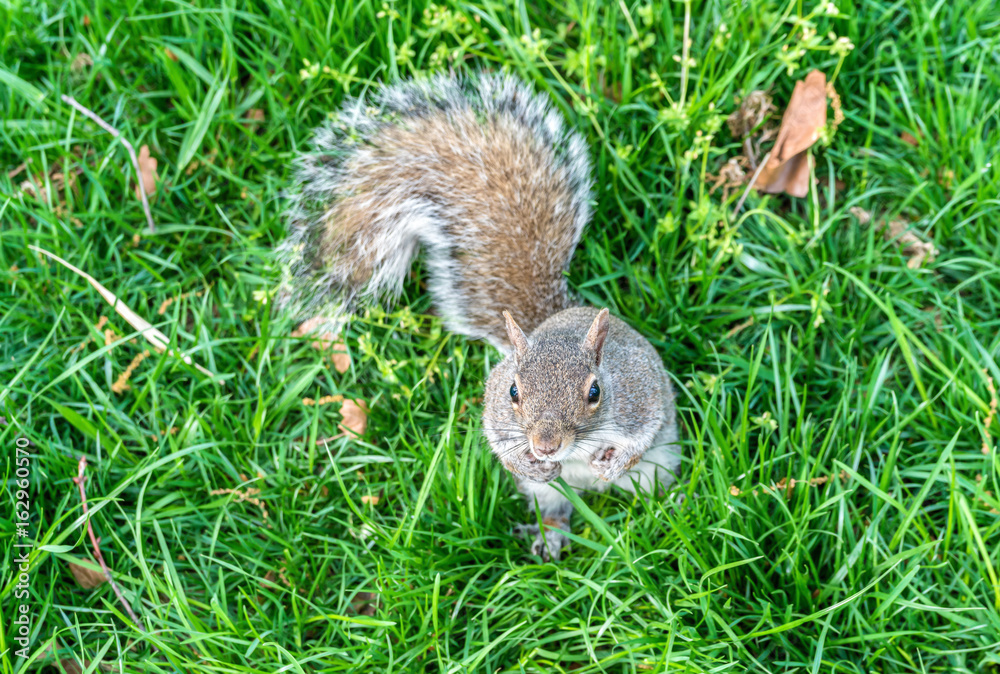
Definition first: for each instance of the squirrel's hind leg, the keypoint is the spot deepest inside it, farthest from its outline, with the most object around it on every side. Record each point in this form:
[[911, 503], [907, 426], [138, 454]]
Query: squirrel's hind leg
[[554, 510]]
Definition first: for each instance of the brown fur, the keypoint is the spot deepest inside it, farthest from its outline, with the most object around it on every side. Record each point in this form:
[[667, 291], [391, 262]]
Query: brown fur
[[492, 173]]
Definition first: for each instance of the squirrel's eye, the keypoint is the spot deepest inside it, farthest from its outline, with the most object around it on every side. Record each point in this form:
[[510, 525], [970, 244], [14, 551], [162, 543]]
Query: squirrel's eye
[[595, 393], [513, 392]]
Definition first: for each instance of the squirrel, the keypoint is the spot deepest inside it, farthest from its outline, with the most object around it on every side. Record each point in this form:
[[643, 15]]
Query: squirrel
[[484, 175]]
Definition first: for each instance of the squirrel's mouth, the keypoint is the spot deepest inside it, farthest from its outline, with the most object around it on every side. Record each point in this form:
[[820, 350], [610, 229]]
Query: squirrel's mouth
[[553, 452]]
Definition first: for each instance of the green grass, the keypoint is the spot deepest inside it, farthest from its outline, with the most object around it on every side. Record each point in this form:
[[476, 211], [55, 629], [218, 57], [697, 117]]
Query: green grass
[[891, 566]]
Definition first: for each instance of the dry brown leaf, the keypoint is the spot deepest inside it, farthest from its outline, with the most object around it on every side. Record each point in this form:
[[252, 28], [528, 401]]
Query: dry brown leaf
[[470, 401], [751, 113], [341, 359], [863, 216], [787, 168], [147, 168], [897, 230], [370, 500], [730, 176], [753, 110], [69, 666], [365, 603], [945, 178], [32, 190], [823, 182], [307, 326], [151, 334], [87, 578], [254, 118], [787, 485], [909, 139], [249, 495], [81, 61], [355, 413], [918, 251], [325, 341], [169, 54]]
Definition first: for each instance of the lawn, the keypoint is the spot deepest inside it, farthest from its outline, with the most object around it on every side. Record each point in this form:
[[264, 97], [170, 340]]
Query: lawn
[[837, 398]]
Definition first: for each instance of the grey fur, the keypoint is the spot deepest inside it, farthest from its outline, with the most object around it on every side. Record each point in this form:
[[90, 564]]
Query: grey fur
[[483, 174]]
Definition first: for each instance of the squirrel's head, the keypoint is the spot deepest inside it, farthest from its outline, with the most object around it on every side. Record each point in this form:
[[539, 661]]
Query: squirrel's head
[[556, 389]]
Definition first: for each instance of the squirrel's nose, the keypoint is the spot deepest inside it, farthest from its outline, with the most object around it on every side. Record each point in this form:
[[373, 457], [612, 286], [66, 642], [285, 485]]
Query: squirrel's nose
[[545, 444]]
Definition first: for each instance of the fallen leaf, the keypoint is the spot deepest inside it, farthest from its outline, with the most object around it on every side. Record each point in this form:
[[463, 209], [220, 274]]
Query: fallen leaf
[[863, 216], [147, 168], [754, 109], [909, 139], [81, 61], [824, 184], [945, 178], [308, 326], [29, 188], [730, 176], [370, 500], [751, 113], [87, 578], [325, 342], [249, 495], [365, 603], [465, 404], [170, 55], [897, 230], [918, 251], [254, 118], [787, 168], [70, 667], [341, 359], [355, 413]]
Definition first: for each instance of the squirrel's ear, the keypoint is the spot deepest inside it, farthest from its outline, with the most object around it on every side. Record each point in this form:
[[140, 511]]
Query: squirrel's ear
[[597, 334], [515, 335]]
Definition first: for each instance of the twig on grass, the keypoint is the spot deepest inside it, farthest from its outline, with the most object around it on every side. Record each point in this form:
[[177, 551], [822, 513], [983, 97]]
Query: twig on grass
[[756, 174], [79, 479], [128, 146], [151, 334]]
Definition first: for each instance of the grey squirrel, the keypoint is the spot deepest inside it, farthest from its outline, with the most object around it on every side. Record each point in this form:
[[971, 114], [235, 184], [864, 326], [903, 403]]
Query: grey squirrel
[[483, 175]]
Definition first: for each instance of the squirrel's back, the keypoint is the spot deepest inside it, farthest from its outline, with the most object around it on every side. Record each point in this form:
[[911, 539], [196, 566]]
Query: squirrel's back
[[482, 173]]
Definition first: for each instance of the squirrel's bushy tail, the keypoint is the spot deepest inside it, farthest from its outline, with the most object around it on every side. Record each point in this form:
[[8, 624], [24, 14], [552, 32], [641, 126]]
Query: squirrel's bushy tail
[[481, 173]]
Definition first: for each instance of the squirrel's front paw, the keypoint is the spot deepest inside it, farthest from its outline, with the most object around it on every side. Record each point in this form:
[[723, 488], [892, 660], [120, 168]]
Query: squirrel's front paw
[[611, 463], [547, 544], [533, 470]]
